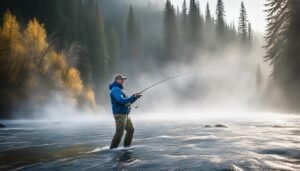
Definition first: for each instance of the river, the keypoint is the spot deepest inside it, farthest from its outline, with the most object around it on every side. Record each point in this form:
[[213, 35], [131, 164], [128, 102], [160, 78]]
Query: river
[[265, 144]]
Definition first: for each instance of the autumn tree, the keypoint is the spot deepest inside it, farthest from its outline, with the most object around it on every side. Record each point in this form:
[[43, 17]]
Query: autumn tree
[[30, 65]]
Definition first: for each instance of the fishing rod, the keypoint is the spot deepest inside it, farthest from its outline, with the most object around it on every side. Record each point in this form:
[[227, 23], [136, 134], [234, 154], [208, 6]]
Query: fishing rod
[[167, 79]]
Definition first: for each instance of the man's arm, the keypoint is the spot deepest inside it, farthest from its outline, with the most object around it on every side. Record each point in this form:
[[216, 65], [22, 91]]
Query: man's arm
[[117, 94], [137, 96]]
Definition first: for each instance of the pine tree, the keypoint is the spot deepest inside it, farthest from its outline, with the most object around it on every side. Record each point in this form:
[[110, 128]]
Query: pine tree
[[220, 21], [250, 33], [208, 17], [194, 24], [184, 21], [233, 32], [259, 78], [283, 32], [276, 18], [97, 47], [243, 23], [184, 9], [113, 49], [170, 32], [133, 38]]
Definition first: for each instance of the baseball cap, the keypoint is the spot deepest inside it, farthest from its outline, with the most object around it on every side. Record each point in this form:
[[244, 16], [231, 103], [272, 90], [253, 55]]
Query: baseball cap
[[120, 77]]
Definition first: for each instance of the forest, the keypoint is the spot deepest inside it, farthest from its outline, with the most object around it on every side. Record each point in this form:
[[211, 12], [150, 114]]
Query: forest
[[72, 48]]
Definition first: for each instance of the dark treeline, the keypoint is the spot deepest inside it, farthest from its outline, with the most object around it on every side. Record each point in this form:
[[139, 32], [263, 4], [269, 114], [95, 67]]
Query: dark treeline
[[190, 32], [113, 36]]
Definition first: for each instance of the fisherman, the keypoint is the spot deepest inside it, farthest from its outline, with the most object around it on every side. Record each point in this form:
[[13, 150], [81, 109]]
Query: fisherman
[[121, 109]]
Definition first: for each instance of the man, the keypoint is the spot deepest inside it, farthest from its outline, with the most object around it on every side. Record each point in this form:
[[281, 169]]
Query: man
[[121, 109]]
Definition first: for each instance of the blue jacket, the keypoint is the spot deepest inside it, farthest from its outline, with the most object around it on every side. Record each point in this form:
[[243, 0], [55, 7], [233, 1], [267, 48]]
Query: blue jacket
[[119, 100]]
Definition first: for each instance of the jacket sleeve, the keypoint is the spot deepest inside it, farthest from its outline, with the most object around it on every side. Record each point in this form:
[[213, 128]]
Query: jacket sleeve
[[133, 99], [116, 93]]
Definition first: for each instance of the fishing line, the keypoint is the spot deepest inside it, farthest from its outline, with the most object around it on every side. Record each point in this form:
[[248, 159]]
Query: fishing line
[[171, 78], [168, 79]]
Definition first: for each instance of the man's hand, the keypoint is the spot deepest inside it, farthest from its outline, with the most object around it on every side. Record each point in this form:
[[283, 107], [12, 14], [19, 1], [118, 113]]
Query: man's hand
[[137, 95]]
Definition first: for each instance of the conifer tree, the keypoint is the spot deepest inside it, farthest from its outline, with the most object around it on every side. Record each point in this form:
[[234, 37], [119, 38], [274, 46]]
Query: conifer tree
[[259, 78], [250, 33], [220, 21], [170, 32], [283, 32], [243, 28], [194, 24], [208, 17]]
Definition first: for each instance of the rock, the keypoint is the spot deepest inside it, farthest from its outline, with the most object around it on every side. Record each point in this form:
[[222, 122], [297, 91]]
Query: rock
[[220, 126], [2, 125], [207, 126]]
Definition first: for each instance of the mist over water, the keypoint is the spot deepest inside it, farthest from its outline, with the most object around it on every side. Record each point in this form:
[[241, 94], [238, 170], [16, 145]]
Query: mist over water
[[216, 117], [221, 85]]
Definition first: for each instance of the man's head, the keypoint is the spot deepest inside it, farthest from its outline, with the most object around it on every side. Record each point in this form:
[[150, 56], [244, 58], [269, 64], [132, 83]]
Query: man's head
[[119, 78]]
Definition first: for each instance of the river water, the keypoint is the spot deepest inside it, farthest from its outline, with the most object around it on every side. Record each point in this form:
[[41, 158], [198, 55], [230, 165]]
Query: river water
[[266, 144]]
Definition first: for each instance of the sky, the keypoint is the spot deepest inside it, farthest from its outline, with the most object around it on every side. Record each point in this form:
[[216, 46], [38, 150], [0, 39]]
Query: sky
[[232, 9]]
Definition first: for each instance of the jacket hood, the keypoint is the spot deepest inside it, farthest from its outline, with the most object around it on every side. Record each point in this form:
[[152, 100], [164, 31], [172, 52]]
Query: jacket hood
[[115, 84]]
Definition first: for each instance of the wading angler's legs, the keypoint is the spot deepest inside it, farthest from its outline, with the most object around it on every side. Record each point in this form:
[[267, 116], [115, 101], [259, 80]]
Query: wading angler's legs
[[120, 121], [129, 132]]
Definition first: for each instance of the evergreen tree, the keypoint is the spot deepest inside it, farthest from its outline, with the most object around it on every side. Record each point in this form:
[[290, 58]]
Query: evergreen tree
[[184, 9], [259, 79], [283, 32], [131, 32], [194, 24], [208, 17], [250, 33], [184, 25], [133, 39], [220, 21], [97, 47], [114, 50], [170, 32], [243, 23], [232, 30]]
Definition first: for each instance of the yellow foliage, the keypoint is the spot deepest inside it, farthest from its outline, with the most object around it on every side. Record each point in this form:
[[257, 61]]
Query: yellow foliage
[[35, 36], [10, 36], [90, 96], [73, 81], [10, 30], [12, 49], [19, 72], [56, 61]]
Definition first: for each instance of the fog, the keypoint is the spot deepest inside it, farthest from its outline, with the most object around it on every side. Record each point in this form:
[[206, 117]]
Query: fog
[[223, 86]]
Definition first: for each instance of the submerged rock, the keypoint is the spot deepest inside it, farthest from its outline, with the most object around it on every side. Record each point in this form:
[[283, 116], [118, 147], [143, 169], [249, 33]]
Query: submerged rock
[[207, 126], [2, 125], [220, 126]]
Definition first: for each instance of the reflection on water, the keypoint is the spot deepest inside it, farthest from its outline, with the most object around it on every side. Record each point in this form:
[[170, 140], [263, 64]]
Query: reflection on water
[[122, 159], [178, 145]]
